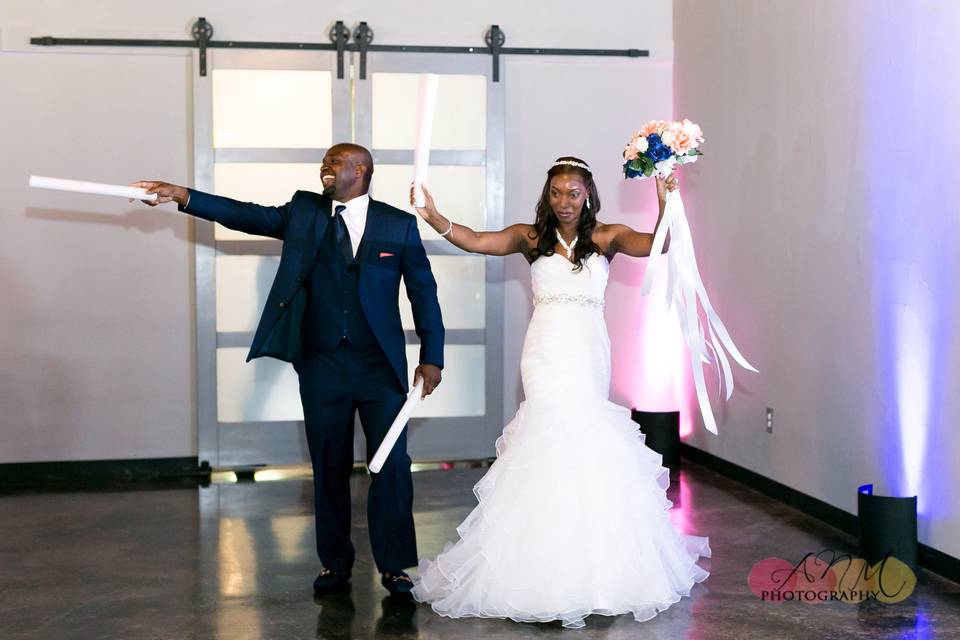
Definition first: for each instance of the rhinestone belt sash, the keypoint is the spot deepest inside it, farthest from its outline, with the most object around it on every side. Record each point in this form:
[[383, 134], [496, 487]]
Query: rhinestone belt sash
[[566, 298]]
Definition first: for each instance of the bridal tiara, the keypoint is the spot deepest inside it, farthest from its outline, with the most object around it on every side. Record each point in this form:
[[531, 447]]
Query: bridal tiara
[[572, 163]]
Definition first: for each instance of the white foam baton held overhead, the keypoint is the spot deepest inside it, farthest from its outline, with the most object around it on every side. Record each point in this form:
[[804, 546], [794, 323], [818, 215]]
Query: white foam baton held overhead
[[426, 108]]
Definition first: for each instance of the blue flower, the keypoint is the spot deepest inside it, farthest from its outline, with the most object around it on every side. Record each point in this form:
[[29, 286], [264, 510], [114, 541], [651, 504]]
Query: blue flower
[[656, 150], [631, 173]]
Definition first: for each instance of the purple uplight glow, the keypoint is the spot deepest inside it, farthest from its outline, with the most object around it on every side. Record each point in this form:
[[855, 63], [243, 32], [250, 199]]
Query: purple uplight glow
[[910, 190]]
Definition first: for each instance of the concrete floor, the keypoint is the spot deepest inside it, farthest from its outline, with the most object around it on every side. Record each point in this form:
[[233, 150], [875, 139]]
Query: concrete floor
[[236, 561]]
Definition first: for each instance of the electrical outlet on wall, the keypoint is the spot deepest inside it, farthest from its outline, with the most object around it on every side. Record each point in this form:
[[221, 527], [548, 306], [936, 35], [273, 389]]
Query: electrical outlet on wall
[[769, 420]]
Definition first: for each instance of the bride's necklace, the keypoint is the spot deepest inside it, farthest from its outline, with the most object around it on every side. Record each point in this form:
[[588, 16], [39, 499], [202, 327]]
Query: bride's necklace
[[567, 247]]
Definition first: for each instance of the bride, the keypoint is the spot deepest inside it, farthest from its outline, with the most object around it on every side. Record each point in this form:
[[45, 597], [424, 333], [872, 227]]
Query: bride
[[572, 517]]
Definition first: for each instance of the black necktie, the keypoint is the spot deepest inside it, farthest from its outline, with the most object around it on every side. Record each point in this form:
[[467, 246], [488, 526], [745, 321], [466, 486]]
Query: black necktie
[[341, 234]]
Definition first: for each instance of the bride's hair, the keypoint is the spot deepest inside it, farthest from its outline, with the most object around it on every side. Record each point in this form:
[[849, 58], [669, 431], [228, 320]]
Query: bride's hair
[[546, 224]]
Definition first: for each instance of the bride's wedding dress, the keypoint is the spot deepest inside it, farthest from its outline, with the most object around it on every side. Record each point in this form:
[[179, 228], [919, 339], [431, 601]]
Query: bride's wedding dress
[[572, 517]]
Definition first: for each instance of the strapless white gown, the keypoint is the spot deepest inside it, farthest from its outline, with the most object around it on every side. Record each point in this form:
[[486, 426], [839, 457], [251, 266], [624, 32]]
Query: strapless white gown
[[572, 517]]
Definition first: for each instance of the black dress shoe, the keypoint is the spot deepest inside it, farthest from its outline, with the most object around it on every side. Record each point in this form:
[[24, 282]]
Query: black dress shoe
[[397, 583], [329, 581]]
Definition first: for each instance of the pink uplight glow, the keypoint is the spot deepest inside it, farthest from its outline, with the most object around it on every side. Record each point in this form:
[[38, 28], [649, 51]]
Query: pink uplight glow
[[652, 369]]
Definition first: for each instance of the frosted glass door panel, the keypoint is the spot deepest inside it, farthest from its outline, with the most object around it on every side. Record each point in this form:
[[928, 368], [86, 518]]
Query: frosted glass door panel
[[262, 121], [264, 389], [272, 109], [462, 391], [243, 283], [461, 289], [266, 183], [459, 192], [460, 121]]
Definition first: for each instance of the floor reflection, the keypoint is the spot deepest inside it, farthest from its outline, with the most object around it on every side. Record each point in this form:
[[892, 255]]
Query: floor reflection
[[237, 562], [397, 617], [335, 616]]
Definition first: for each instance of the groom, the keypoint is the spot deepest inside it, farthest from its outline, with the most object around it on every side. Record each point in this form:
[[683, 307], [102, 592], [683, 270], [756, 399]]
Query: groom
[[333, 312]]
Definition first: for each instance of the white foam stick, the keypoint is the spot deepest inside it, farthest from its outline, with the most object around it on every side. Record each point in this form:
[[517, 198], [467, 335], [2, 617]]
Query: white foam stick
[[426, 107], [96, 188], [413, 398]]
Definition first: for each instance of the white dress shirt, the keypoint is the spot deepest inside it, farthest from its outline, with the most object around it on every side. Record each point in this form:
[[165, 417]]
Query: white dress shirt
[[355, 217]]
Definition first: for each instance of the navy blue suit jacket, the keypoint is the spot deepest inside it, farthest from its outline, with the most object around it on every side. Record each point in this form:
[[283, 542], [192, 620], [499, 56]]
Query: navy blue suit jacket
[[391, 248]]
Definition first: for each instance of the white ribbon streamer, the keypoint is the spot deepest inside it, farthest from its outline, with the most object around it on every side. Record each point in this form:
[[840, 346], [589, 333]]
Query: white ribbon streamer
[[386, 446], [685, 291], [427, 106]]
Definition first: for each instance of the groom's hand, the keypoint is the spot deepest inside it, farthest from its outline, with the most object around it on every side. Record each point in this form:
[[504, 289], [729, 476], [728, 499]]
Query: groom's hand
[[165, 191], [431, 378]]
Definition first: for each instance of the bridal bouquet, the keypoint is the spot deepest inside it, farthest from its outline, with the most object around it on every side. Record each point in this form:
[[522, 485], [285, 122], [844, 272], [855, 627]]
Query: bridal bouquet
[[660, 146]]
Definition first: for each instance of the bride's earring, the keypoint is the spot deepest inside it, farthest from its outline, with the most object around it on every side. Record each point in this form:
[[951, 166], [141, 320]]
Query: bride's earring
[[588, 202]]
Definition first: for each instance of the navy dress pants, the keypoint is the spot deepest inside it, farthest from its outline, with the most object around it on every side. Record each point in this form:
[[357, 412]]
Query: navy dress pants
[[335, 386]]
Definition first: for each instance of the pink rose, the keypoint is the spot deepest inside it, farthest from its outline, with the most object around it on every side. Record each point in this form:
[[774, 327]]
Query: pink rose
[[630, 152], [680, 144], [683, 136], [693, 131], [654, 126], [676, 138]]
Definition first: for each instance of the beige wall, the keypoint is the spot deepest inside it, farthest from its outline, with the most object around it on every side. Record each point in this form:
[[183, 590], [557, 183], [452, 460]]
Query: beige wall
[[95, 326], [602, 24], [826, 219]]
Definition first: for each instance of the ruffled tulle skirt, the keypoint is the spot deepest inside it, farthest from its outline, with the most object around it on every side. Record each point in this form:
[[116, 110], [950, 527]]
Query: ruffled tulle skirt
[[572, 520]]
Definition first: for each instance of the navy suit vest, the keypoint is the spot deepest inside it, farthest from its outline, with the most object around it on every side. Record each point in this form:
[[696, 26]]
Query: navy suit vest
[[333, 314]]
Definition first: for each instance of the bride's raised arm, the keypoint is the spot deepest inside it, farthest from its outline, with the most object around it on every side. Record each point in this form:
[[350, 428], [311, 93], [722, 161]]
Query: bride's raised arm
[[622, 239], [513, 239]]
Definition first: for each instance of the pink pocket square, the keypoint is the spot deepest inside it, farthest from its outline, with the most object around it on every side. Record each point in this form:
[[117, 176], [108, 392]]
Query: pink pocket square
[[386, 254]]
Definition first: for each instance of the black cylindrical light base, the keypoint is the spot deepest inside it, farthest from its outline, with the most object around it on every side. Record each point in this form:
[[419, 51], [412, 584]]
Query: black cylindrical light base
[[662, 431], [887, 525]]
